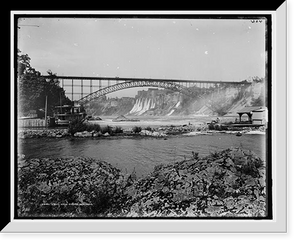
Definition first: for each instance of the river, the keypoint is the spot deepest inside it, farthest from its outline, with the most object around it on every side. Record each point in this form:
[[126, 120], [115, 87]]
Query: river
[[141, 154]]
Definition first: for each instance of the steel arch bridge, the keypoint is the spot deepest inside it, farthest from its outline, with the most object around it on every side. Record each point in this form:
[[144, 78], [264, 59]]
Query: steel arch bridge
[[130, 84], [90, 88]]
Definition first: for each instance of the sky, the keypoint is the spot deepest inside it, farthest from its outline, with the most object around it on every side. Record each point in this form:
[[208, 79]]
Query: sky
[[200, 49]]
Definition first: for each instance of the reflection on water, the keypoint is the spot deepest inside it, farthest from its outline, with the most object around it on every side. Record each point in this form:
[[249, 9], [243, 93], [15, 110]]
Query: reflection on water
[[140, 153]]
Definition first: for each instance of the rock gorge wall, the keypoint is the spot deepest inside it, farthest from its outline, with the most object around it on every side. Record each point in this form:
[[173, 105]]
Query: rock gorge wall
[[110, 106], [198, 102], [156, 102]]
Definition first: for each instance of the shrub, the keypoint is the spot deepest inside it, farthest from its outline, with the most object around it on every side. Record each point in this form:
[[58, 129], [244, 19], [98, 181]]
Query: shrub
[[211, 127], [92, 127], [106, 129], [148, 128], [195, 155], [118, 129], [217, 127], [224, 128], [76, 125], [137, 129]]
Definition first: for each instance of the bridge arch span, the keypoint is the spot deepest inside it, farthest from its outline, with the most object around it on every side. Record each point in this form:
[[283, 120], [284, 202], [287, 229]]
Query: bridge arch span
[[130, 84]]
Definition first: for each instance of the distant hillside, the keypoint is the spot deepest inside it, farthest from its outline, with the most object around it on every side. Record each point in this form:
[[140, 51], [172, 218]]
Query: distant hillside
[[194, 101]]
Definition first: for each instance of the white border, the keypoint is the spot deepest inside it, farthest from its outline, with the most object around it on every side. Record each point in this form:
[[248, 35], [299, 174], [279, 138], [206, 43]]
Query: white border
[[279, 155]]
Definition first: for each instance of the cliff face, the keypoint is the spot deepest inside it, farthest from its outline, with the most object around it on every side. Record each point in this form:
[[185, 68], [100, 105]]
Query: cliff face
[[110, 107], [199, 102], [156, 102]]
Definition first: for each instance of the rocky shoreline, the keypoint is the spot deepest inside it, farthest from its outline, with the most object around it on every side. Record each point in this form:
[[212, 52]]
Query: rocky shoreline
[[229, 183], [41, 133], [159, 132]]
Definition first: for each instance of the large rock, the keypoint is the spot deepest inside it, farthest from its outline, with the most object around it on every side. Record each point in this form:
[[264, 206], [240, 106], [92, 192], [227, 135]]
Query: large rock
[[152, 134], [77, 134], [228, 183], [97, 134], [80, 186], [83, 134], [145, 133]]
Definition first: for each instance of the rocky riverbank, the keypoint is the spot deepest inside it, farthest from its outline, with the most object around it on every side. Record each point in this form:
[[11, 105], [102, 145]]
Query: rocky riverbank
[[40, 133], [229, 183], [162, 131]]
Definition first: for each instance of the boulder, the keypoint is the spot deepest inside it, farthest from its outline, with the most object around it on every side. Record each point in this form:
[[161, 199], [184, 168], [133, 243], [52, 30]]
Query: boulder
[[83, 134], [80, 182], [87, 134], [97, 134], [77, 134], [145, 133], [203, 187], [159, 134]]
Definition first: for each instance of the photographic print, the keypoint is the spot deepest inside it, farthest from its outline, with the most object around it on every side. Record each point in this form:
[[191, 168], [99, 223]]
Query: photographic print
[[143, 117]]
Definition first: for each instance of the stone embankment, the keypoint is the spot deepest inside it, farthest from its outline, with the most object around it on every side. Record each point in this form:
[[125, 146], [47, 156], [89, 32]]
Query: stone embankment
[[229, 183]]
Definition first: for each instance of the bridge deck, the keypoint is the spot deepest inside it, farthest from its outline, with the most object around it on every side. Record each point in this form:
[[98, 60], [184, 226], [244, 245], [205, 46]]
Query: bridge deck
[[148, 79]]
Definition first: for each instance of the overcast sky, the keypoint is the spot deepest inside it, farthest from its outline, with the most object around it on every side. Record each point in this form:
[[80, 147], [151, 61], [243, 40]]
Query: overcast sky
[[203, 49]]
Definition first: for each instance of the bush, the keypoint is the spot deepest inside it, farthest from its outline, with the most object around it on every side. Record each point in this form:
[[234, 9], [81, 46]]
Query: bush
[[76, 125], [211, 127], [224, 128], [93, 127], [106, 129], [118, 129], [137, 129], [195, 155], [148, 128], [217, 127]]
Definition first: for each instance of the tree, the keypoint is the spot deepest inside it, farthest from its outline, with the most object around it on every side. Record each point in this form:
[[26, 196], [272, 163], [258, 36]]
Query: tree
[[33, 88], [30, 85], [56, 94]]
